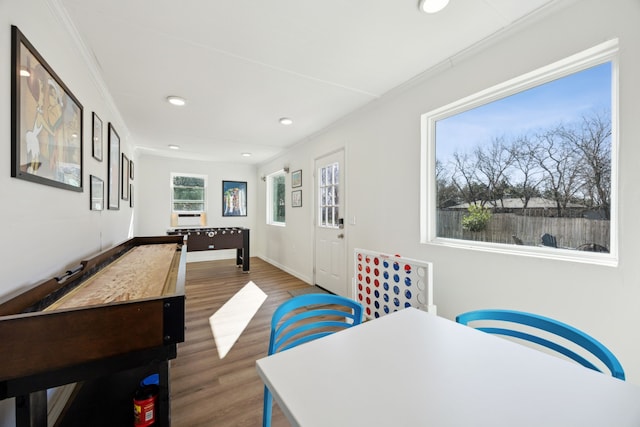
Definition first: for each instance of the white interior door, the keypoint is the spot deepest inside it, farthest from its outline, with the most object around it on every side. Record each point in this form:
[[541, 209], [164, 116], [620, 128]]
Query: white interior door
[[330, 243]]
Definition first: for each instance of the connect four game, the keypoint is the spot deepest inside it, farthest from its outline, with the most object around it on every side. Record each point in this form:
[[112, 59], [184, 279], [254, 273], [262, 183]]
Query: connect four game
[[387, 283]]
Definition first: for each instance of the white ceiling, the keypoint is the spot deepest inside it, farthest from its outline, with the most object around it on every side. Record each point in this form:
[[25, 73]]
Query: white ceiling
[[243, 64]]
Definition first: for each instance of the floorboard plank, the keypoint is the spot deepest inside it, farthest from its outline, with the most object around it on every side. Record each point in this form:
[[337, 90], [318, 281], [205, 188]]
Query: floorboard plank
[[209, 391]]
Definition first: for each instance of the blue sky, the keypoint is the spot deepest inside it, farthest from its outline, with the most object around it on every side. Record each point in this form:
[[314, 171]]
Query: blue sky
[[564, 100]]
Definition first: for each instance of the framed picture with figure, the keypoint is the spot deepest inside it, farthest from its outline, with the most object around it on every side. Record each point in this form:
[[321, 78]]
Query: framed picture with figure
[[234, 198], [46, 131]]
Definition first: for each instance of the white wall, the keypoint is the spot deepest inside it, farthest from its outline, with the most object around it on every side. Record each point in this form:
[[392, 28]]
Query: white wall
[[153, 196], [47, 229], [383, 171]]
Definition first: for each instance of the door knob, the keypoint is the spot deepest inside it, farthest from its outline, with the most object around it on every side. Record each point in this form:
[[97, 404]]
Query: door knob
[[341, 236]]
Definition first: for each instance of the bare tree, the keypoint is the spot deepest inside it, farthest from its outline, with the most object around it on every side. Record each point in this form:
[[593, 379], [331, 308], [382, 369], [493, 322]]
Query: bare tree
[[592, 138], [465, 180], [528, 173], [493, 161], [559, 160]]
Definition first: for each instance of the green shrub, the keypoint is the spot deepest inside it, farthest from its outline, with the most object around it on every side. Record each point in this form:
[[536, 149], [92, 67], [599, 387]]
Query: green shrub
[[477, 219]]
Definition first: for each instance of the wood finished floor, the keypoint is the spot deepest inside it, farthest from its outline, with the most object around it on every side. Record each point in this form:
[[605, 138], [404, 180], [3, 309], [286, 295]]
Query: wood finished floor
[[208, 391]]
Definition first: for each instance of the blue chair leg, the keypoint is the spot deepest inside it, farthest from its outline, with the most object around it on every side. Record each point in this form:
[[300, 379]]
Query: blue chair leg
[[266, 411]]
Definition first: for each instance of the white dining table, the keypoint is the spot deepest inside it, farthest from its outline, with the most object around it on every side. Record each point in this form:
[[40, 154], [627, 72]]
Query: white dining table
[[413, 368]]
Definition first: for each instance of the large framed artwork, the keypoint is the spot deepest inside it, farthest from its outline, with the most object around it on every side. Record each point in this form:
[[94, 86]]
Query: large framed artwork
[[234, 198], [113, 181], [46, 121]]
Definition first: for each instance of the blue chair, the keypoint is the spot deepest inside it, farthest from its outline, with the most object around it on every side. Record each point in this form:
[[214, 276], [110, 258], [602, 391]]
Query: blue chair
[[305, 318], [507, 319]]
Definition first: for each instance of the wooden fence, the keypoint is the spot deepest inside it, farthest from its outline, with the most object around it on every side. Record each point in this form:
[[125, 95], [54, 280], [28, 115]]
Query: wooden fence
[[569, 232]]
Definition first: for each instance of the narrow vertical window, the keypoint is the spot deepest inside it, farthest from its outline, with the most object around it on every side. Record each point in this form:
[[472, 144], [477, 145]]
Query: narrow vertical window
[[328, 194], [276, 212]]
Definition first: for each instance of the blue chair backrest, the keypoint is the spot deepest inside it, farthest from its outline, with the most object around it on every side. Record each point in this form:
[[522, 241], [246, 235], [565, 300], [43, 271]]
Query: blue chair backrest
[[322, 314], [549, 325], [305, 318]]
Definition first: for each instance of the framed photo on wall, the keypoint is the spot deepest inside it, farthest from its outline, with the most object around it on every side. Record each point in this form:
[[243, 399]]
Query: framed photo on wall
[[96, 138], [234, 198], [46, 131], [113, 181], [96, 194], [125, 177], [296, 179], [296, 198]]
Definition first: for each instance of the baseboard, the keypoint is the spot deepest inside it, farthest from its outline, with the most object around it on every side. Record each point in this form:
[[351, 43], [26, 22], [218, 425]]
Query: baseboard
[[294, 273]]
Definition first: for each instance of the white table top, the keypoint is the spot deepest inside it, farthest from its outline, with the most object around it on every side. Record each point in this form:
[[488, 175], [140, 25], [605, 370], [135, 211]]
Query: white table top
[[412, 368]]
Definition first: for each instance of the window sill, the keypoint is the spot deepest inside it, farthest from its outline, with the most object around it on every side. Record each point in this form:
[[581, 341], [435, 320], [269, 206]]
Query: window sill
[[558, 254]]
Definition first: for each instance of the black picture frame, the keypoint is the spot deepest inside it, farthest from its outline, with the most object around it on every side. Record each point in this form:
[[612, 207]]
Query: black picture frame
[[113, 181], [234, 198], [296, 178], [296, 199], [125, 178], [96, 193], [46, 121], [96, 137]]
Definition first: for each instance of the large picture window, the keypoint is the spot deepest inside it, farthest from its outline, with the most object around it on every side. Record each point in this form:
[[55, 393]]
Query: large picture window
[[530, 165]]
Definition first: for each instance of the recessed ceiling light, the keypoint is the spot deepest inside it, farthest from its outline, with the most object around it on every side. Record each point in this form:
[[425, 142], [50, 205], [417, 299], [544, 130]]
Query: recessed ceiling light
[[286, 121], [174, 147], [246, 154], [176, 100], [433, 6]]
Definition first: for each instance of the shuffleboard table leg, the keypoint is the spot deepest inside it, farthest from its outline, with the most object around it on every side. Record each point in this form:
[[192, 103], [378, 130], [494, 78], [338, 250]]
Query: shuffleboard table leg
[[31, 409]]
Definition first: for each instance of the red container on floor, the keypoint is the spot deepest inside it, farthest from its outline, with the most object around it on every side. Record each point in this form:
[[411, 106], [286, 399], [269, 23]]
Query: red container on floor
[[144, 405]]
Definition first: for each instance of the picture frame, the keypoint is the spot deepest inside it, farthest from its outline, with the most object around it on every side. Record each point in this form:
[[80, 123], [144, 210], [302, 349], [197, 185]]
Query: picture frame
[[125, 178], [96, 193], [113, 180], [130, 195], [234, 198], [296, 178], [131, 169], [296, 199], [96, 137], [46, 121]]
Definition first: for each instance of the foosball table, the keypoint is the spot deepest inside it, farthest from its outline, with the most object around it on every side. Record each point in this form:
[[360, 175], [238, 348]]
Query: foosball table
[[212, 238]]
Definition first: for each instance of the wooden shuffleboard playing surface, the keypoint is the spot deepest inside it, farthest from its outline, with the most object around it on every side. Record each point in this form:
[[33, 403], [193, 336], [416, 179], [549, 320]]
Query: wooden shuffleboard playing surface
[[141, 273]]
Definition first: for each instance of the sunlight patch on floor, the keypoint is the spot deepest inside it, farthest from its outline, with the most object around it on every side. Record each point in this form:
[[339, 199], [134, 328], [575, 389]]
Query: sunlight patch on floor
[[228, 323]]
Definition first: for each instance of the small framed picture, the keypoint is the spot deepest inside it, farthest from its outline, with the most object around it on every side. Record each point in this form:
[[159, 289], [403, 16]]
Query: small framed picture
[[96, 196], [296, 178], [296, 198], [125, 177], [96, 138]]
